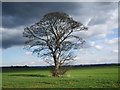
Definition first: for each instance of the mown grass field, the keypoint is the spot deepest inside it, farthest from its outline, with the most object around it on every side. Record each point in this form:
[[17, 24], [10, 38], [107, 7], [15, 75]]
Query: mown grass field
[[77, 77]]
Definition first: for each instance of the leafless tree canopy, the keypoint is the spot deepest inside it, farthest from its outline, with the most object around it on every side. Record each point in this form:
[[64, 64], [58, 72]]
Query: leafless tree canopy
[[52, 38]]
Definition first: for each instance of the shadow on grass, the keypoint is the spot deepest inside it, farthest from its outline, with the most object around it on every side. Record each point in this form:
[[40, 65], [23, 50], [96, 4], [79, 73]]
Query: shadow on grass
[[29, 75]]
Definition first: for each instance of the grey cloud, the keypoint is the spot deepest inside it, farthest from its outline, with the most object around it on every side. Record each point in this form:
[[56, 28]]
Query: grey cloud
[[13, 41], [12, 37], [15, 15], [100, 12], [23, 14], [18, 14], [98, 20]]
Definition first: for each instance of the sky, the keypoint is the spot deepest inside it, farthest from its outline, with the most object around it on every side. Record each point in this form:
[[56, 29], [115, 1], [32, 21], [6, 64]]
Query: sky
[[101, 18]]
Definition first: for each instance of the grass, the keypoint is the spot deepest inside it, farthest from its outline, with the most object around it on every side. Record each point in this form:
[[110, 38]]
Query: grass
[[77, 77]]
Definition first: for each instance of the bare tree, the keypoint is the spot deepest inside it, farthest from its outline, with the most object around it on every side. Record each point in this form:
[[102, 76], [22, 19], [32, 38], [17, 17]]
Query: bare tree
[[53, 39]]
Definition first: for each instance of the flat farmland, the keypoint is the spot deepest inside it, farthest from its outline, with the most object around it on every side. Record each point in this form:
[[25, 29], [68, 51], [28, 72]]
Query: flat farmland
[[105, 76]]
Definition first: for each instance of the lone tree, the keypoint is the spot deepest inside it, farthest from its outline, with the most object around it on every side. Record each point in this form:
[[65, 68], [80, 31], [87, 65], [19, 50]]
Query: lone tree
[[53, 39]]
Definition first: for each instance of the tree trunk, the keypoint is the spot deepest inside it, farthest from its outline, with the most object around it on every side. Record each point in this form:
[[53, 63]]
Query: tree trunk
[[56, 70]]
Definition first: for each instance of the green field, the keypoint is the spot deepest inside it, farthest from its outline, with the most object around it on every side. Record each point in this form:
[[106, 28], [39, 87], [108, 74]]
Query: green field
[[77, 77]]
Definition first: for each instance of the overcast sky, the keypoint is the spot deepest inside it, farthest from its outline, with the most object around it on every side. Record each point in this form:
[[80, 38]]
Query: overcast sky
[[100, 17]]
